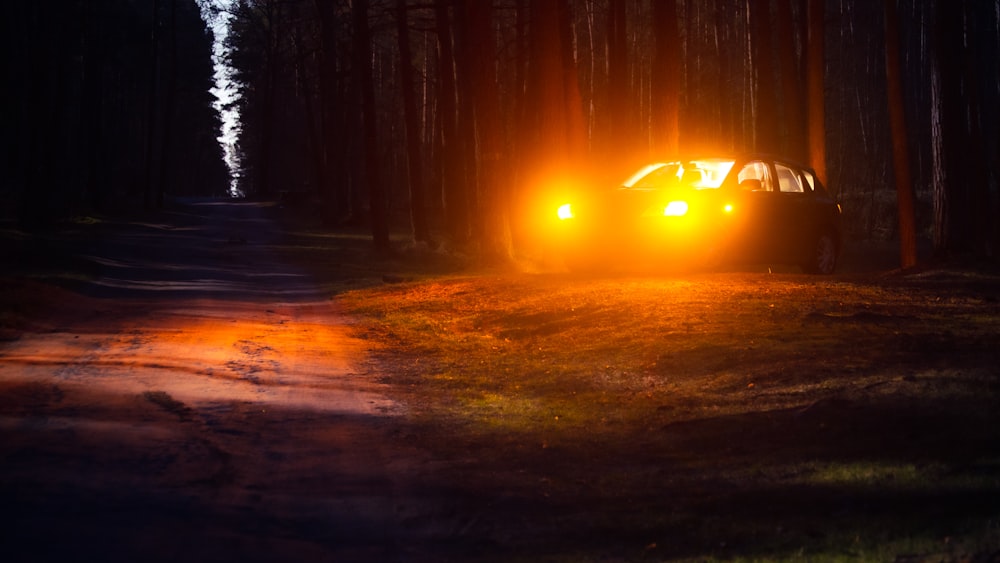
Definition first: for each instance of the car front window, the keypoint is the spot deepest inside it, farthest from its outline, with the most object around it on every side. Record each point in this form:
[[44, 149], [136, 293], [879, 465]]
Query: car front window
[[712, 171], [654, 176], [698, 174]]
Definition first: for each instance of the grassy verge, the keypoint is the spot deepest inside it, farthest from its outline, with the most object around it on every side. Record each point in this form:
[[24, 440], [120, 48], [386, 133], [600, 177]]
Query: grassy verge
[[734, 415]]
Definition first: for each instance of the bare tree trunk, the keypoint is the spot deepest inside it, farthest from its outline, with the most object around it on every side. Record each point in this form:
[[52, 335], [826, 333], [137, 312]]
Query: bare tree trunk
[[666, 79], [495, 241], [794, 141], [555, 129], [905, 194], [766, 115], [995, 130], [815, 70], [976, 191], [467, 148], [576, 125], [92, 112], [619, 118], [727, 126], [362, 62], [327, 111], [152, 89], [169, 89], [456, 205], [414, 160], [949, 134]]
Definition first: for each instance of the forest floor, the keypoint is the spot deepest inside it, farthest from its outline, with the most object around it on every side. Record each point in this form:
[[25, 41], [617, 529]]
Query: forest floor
[[228, 381]]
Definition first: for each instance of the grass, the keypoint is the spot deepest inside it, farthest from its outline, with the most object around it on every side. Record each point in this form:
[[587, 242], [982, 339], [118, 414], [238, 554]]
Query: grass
[[736, 415]]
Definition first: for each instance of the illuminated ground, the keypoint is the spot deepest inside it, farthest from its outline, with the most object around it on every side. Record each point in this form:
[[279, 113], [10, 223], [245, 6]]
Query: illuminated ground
[[209, 387], [193, 398]]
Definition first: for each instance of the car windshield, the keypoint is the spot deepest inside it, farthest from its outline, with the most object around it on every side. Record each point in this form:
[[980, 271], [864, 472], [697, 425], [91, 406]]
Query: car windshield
[[700, 174]]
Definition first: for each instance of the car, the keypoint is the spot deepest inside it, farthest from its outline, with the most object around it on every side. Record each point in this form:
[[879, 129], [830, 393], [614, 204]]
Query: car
[[705, 211]]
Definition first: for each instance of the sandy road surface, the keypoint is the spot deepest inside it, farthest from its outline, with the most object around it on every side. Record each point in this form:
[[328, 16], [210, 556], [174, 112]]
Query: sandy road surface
[[201, 401]]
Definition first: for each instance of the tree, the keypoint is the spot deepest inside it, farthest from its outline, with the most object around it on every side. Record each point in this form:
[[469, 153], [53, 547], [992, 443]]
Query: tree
[[418, 213], [905, 194], [794, 138], [452, 169], [653, 77], [363, 74], [85, 128], [336, 181], [619, 104], [666, 77], [962, 218], [495, 236], [762, 62], [815, 70], [554, 133]]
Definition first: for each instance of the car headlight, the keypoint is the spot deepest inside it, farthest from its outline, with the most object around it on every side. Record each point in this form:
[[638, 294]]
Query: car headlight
[[565, 211], [675, 209]]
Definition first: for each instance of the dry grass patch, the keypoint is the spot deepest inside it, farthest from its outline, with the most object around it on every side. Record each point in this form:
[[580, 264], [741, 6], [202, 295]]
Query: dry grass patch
[[839, 404]]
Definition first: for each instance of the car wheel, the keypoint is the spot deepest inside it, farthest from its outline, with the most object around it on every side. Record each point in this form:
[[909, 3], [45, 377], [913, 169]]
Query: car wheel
[[823, 259]]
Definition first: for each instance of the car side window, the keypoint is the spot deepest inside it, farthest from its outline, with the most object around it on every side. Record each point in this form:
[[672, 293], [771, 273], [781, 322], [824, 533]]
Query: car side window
[[755, 176], [789, 180], [810, 180]]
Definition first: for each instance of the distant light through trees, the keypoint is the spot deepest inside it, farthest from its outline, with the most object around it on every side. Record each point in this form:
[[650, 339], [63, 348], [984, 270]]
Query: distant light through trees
[[217, 15]]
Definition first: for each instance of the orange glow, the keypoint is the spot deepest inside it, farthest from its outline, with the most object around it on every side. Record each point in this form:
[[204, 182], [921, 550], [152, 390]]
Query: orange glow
[[675, 209], [728, 208], [642, 173], [547, 204], [294, 355]]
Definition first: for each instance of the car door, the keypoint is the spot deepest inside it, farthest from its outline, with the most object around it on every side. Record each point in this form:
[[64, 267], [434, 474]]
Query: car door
[[758, 209], [791, 214]]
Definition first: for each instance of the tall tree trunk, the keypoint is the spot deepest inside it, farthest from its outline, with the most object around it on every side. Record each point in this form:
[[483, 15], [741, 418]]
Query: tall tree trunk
[[948, 133], [619, 117], [575, 123], [905, 193], [336, 202], [666, 79], [994, 131], [152, 90], [453, 189], [556, 126], [313, 123], [815, 71], [169, 92], [794, 139], [495, 241], [766, 112], [92, 108], [724, 85], [265, 183], [414, 160], [467, 148], [362, 64], [976, 190]]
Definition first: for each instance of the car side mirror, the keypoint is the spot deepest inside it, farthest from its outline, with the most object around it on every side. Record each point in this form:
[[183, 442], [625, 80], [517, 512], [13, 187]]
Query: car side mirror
[[752, 185]]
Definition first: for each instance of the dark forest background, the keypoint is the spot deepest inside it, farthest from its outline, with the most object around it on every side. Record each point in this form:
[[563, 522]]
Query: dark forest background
[[451, 119]]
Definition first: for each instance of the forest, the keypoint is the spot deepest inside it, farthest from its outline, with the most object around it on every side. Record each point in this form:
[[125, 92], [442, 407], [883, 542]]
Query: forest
[[450, 119], [108, 107]]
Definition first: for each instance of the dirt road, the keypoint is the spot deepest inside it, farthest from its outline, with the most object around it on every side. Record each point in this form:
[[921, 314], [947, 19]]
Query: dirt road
[[202, 400], [201, 395]]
